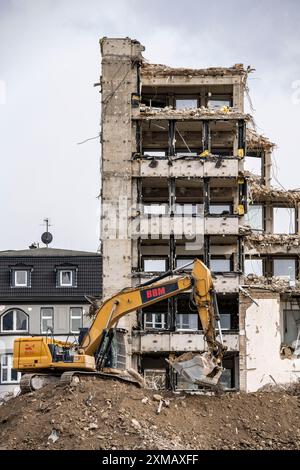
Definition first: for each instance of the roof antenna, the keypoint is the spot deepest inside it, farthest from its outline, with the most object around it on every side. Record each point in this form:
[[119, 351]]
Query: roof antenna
[[47, 236]]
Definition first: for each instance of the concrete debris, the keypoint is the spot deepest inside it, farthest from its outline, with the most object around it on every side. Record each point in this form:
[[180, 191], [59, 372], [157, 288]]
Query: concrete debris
[[7, 396], [255, 140], [135, 424], [93, 426], [260, 192], [286, 351], [245, 230], [168, 113], [132, 425], [161, 70], [157, 397], [54, 436], [263, 241], [159, 407], [274, 284]]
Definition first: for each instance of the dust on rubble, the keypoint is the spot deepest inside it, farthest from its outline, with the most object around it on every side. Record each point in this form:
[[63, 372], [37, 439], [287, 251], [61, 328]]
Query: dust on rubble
[[106, 414]]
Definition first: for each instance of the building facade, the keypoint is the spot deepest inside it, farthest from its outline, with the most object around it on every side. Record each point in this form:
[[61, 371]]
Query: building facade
[[177, 148], [42, 292]]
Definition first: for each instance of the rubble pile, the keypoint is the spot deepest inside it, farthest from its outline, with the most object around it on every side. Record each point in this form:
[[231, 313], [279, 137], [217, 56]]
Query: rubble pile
[[161, 70], [274, 284], [168, 112], [261, 241], [106, 414], [262, 192], [255, 140]]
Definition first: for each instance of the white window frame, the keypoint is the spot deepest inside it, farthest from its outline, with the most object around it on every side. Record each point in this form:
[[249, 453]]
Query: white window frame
[[16, 271], [179, 328], [47, 317], [8, 368], [61, 277], [14, 330], [75, 317], [151, 325]]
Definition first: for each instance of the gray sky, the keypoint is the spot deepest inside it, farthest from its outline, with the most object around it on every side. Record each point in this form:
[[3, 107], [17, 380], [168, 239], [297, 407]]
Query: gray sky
[[49, 60]]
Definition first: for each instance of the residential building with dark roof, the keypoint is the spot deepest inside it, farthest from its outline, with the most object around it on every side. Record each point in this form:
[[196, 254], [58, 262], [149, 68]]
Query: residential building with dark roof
[[42, 291]]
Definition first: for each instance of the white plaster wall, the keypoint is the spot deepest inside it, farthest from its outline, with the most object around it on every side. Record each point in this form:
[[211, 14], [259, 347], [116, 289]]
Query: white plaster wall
[[7, 347], [263, 340]]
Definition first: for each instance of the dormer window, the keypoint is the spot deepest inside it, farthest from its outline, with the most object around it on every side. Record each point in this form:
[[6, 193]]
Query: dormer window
[[66, 276], [20, 276]]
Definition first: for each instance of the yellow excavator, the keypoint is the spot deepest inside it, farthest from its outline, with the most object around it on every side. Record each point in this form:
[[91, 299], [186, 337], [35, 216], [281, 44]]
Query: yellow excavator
[[43, 359]]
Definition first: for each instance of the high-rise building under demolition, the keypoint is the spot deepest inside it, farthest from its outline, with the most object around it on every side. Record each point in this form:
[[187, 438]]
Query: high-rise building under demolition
[[177, 147]]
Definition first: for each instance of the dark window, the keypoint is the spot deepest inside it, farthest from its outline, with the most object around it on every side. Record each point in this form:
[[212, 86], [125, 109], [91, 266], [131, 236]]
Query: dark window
[[8, 321]]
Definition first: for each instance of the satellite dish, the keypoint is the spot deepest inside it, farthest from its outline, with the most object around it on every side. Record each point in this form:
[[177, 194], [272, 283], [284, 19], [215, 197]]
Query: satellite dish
[[47, 238]]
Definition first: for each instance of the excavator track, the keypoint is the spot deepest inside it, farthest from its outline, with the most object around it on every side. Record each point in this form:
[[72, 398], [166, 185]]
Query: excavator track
[[33, 382], [36, 381], [67, 378]]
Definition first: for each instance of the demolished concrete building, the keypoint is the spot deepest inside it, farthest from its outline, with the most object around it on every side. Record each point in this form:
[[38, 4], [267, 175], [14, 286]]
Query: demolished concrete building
[[176, 148]]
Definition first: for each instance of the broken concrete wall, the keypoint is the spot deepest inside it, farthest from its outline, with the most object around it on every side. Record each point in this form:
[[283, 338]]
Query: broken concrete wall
[[261, 333], [120, 61]]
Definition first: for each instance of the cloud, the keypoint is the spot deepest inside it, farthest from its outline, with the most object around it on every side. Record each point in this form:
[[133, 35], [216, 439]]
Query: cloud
[[50, 59]]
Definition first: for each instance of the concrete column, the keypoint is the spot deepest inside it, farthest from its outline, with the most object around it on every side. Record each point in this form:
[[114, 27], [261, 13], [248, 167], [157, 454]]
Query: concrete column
[[238, 96], [120, 60], [267, 166], [268, 218], [244, 303]]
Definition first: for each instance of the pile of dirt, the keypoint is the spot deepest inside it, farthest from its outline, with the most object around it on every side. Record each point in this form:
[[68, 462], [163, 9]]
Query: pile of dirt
[[106, 414]]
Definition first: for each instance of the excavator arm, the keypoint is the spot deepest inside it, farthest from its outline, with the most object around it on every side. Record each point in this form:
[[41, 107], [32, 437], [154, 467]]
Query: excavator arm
[[112, 310], [128, 300]]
